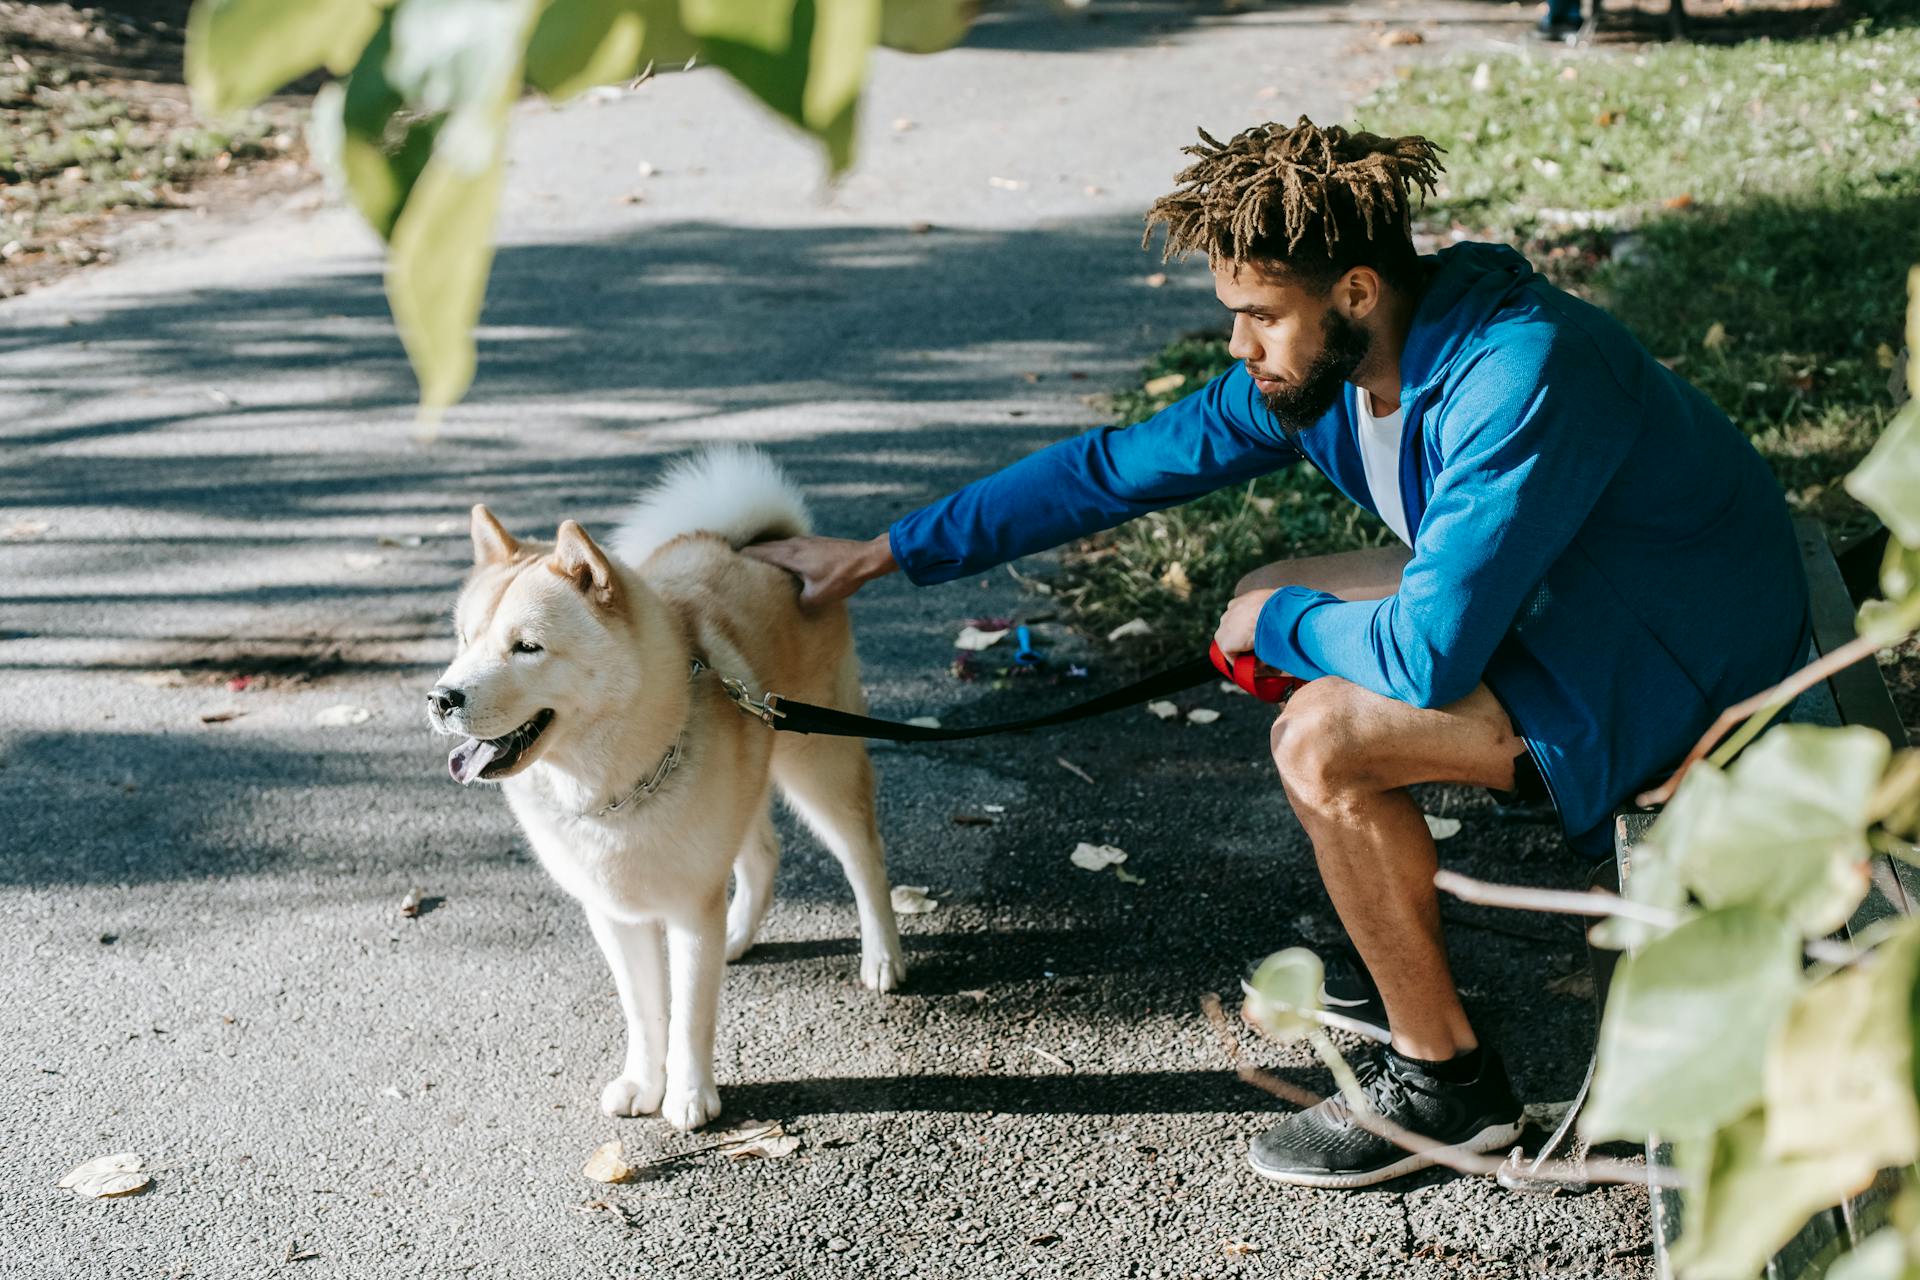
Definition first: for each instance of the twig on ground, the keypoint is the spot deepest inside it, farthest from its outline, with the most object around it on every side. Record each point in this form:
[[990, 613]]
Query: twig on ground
[[1075, 770], [1600, 1169]]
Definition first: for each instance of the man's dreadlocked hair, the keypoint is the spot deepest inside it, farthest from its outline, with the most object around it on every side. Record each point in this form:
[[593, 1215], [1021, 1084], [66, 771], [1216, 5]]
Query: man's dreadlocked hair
[[1315, 202]]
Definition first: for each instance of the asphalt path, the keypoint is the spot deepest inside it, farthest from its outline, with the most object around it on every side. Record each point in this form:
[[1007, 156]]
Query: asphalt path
[[217, 530]]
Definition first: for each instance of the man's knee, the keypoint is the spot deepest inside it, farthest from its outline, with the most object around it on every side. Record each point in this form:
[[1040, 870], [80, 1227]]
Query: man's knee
[[1312, 738]]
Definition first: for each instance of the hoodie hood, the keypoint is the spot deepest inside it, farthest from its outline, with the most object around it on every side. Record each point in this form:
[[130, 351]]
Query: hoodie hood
[[1471, 281]]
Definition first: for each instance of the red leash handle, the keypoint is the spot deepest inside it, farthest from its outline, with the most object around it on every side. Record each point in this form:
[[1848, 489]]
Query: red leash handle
[[1254, 676]]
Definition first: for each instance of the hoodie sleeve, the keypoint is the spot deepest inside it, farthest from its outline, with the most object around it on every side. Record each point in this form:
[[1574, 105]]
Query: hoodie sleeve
[[1219, 435], [1529, 442]]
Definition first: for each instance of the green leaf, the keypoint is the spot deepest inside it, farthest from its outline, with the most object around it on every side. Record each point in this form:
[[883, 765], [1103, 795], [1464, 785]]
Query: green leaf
[[1893, 619], [1785, 829], [1655, 882], [361, 134], [925, 26], [806, 59], [461, 59], [1888, 480], [437, 266], [1686, 1024], [239, 51], [577, 44], [1839, 1077], [1744, 1206], [1284, 993], [1881, 1256]]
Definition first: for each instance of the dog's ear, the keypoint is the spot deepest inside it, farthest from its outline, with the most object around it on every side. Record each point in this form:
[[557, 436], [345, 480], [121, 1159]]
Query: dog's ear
[[492, 544], [580, 560]]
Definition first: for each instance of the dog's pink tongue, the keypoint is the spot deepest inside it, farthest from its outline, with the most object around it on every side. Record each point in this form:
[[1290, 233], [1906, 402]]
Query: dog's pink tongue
[[469, 758]]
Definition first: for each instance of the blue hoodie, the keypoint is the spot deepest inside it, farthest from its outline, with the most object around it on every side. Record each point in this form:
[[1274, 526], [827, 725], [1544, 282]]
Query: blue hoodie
[[1592, 538]]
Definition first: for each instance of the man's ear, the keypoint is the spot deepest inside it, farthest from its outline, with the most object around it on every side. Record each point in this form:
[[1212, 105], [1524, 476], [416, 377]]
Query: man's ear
[[492, 544], [1358, 292], [580, 560]]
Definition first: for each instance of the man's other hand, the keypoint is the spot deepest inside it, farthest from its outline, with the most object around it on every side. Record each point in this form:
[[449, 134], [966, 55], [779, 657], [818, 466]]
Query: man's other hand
[[829, 569], [1234, 635]]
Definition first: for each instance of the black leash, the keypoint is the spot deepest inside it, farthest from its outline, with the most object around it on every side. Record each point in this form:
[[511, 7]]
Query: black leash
[[803, 717]]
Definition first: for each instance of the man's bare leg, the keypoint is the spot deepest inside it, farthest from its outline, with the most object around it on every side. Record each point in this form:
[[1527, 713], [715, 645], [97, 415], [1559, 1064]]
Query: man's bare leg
[[1346, 756]]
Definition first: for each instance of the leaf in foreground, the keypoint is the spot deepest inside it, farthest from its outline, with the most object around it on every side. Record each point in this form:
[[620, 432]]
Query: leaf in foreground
[[1888, 480], [1745, 1206], [1284, 993], [1686, 1024]]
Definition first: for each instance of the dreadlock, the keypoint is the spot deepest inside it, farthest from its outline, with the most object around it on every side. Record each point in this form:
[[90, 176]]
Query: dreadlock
[[1315, 201]]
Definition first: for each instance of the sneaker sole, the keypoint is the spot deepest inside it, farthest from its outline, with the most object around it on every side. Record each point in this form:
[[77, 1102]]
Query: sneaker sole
[[1491, 1138]]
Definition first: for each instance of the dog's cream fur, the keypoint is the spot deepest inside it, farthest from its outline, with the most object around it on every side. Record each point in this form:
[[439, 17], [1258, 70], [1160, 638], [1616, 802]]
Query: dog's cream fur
[[616, 634]]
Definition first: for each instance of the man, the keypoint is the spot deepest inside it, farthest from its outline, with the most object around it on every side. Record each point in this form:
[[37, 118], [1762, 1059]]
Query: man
[[1595, 562]]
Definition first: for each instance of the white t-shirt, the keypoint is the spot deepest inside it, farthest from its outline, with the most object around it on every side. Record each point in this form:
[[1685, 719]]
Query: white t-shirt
[[1380, 455]]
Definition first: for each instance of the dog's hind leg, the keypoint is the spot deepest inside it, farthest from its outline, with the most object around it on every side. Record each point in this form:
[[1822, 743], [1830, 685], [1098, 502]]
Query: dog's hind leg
[[753, 874], [829, 782], [635, 953]]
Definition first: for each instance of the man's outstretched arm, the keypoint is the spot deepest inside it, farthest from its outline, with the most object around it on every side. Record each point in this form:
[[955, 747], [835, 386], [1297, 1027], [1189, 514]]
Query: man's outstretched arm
[[1219, 435]]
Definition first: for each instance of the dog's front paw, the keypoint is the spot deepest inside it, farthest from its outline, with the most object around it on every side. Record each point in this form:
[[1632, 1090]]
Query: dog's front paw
[[739, 941], [626, 1096], [883, 972], [690, 1105]]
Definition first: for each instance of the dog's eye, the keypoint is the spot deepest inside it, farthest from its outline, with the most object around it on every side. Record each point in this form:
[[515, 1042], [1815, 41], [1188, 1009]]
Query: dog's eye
[[526, 646]]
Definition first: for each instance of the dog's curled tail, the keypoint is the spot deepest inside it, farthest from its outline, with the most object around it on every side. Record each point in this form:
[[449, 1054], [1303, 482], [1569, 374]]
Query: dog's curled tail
[[733, 490]]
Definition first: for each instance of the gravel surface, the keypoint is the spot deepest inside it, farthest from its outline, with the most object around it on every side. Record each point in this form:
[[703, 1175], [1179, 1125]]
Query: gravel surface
[[213, 503]]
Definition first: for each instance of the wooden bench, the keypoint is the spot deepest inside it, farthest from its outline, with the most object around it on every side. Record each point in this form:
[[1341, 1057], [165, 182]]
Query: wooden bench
[[1856, 695]]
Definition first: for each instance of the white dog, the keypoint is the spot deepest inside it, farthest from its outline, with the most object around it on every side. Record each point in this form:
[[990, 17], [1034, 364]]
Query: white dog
[[589, 686]]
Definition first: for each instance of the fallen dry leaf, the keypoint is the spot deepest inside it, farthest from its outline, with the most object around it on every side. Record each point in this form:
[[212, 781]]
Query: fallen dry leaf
[[107, 1176], [912, 900], [1400, 36], [1442, 828], [1716, 336], [410, 905], [1682, 201], [21, 530], [220, 717], [1175, 580], [1238, 1248], [1162, 710], [1164, 383], [1096, 857], [973, 639], [901, 124], [1125, 876], [1157, 280], [1482, 78], [1128, 630], [605, 1164], [1203, 715], [342, 716]]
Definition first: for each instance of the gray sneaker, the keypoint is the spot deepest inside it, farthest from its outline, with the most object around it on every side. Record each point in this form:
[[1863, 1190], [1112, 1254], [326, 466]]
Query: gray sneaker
[[1325, 1147]]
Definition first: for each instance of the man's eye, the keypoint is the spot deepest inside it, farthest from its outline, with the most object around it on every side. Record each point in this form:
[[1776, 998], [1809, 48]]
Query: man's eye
[[526, 646]]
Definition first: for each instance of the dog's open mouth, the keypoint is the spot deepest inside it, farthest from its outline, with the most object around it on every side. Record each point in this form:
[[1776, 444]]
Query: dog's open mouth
[[478, 759]]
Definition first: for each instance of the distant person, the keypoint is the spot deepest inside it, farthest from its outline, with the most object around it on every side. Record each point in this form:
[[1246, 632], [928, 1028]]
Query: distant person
[[1593, 562], [1561, 20]]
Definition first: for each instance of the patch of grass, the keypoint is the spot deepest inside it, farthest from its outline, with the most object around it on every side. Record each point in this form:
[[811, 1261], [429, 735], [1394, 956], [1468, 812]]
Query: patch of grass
[[1748, 211], [72, 150]]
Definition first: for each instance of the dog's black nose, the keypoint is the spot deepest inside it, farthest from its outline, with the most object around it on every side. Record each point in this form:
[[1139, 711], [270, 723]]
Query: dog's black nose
[[446, 701]]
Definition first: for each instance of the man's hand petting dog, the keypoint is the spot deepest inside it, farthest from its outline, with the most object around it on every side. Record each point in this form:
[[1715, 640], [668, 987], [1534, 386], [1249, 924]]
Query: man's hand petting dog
[[1234, 635], [829, 569]]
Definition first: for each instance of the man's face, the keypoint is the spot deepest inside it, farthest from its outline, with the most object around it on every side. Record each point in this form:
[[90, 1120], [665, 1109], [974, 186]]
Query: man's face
[[1300, 349]]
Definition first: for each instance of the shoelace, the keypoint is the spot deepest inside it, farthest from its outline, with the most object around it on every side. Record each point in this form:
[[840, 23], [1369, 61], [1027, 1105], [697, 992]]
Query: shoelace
[[1384, 1089]]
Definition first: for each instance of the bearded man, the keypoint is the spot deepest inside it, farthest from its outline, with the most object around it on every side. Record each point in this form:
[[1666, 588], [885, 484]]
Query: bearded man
[[1593, 562]]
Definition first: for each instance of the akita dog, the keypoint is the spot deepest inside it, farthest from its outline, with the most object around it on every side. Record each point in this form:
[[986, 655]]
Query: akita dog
[[589, 686]]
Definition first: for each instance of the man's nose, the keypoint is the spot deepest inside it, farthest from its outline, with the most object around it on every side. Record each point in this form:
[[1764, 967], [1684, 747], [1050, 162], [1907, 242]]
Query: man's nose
[[1240, 344], [445, 701]]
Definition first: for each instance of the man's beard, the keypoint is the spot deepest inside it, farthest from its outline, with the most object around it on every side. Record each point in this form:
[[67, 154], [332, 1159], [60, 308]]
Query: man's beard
[[1298, 405]]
